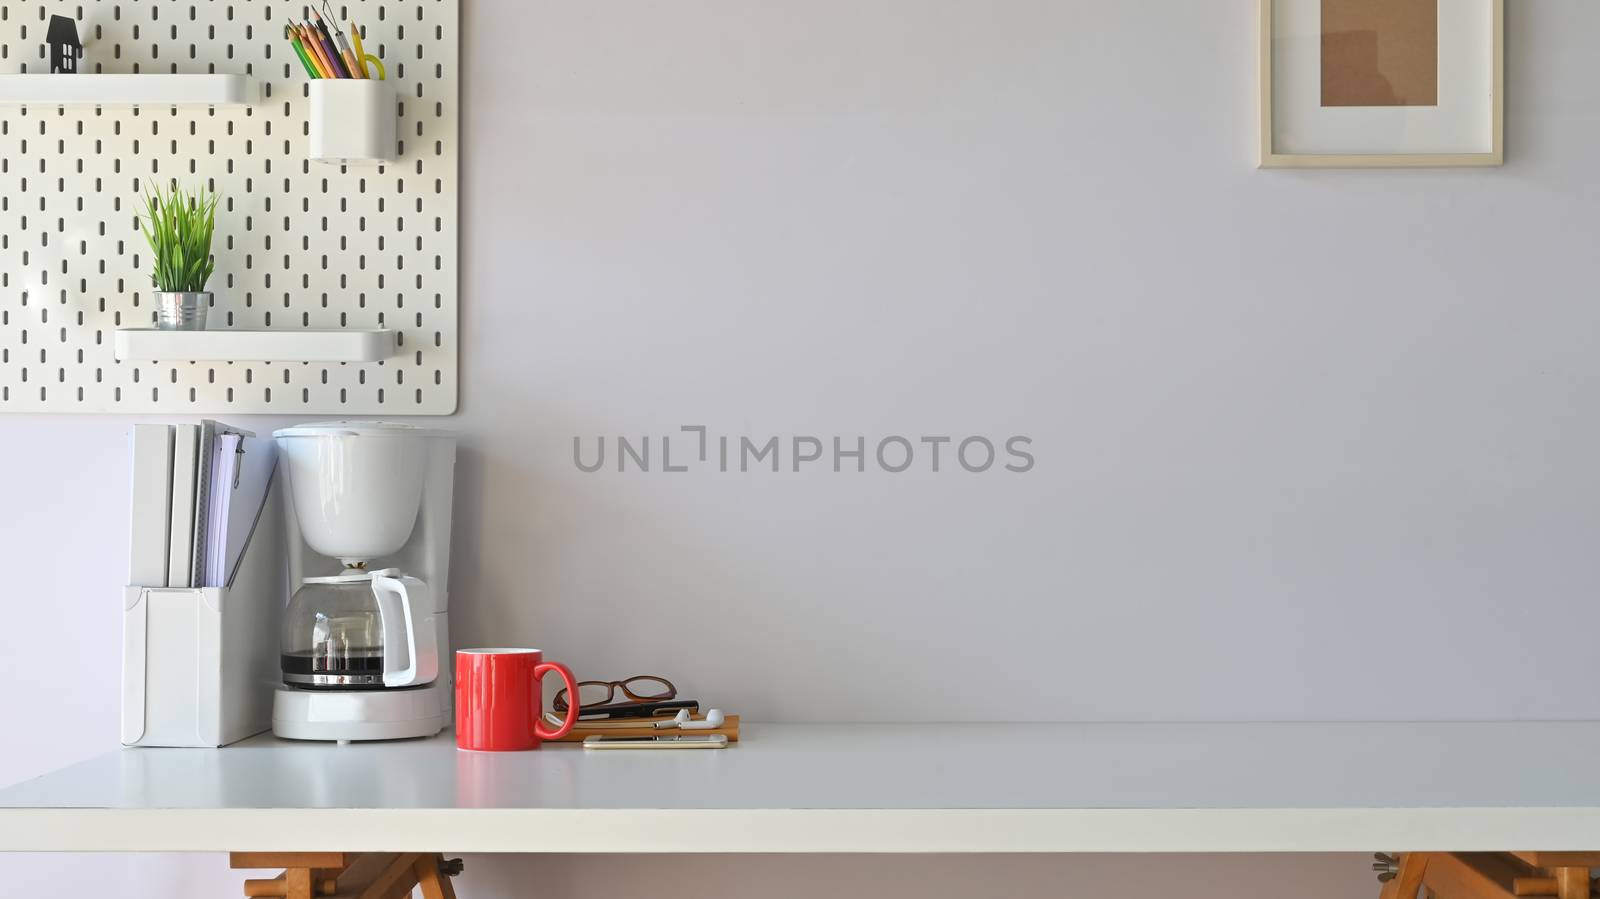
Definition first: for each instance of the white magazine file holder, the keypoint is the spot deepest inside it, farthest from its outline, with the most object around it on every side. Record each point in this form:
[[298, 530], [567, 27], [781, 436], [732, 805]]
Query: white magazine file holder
[[199, 664]]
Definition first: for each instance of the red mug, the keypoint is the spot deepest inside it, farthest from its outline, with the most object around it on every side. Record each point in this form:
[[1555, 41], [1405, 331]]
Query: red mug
[[499, 699]]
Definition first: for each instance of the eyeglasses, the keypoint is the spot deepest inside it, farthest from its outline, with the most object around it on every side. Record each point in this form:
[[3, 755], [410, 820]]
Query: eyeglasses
[[640, 688]]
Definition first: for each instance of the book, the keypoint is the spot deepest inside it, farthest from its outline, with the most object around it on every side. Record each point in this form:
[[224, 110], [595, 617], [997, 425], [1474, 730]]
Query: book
[[149, 505], [180, 529]]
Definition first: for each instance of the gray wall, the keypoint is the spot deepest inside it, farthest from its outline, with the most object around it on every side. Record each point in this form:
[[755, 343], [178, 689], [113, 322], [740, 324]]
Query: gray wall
[[1309, 445]]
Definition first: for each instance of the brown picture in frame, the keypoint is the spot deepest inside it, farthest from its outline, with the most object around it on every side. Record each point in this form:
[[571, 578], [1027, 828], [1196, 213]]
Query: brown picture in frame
[[1380, 52]]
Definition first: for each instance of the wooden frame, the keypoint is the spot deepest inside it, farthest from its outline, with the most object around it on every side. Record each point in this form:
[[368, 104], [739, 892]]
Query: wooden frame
[[1269, 158]]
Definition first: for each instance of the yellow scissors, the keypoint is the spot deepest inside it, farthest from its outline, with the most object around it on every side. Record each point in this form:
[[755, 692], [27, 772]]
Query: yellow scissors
[[362, 57]]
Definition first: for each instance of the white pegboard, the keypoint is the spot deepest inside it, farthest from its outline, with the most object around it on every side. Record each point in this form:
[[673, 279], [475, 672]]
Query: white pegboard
[[298, 244]]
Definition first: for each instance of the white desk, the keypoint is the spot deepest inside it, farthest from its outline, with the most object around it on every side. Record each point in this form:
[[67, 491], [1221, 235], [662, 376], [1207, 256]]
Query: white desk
[[850, 788]]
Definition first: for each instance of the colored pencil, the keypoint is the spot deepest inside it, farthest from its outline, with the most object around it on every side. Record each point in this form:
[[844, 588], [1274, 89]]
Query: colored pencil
[[308, 35], [310, 51], [352, 62], [300, 50], [355, 35], [327, 45], [333, 58], [362, 56]]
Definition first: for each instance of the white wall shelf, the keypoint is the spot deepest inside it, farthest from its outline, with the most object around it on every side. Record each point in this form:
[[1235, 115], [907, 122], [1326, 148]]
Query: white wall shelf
[[256, 344], [128, 90]]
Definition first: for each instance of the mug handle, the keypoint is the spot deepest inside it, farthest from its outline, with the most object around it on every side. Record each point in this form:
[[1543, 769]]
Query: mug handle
[[539, 671]]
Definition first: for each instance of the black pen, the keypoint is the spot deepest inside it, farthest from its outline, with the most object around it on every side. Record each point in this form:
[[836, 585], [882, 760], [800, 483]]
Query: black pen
[[664, 708]]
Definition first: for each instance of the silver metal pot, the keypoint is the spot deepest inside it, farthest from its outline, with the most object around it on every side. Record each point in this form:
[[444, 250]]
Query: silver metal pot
[[181, 311]]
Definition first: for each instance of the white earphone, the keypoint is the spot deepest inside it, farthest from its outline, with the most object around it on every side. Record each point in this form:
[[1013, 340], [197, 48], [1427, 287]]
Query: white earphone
[[714, 719]]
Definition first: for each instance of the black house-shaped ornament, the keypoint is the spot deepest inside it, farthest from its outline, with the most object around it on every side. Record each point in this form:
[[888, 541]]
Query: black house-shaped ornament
[[65, 49]]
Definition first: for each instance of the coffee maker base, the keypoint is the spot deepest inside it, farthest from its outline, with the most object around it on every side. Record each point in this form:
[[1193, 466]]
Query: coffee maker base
[[358, 715]]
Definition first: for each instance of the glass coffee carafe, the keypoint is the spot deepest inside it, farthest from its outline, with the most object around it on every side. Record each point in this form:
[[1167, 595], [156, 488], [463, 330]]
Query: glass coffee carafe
[[338, 632]]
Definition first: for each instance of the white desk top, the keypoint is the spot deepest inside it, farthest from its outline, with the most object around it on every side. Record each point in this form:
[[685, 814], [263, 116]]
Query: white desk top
[[842, 788]]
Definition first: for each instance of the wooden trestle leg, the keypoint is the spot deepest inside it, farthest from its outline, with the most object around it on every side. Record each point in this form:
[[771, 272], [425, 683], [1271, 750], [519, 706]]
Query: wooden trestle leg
[[1488, 875], [349, 875]]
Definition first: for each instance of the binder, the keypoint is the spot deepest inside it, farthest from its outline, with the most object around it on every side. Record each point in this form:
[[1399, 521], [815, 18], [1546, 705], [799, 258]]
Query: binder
[[206, 444], [180, 530], [150, 505]]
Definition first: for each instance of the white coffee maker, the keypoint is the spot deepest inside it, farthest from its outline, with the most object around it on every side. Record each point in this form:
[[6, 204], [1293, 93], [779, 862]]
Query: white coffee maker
[[366, 637]]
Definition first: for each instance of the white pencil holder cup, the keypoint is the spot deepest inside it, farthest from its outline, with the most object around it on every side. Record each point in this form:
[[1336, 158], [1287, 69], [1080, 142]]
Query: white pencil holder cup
[[352, 120]]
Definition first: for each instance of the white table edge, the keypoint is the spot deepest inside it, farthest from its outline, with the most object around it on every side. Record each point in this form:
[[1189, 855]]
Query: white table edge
[[491, 830]]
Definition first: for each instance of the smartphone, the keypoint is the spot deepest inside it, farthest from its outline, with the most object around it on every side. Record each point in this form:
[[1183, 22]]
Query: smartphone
[[684, 741]]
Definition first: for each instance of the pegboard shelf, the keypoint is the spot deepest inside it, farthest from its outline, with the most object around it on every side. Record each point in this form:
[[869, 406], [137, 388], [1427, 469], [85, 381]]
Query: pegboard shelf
[[255, 344], [128, 90]]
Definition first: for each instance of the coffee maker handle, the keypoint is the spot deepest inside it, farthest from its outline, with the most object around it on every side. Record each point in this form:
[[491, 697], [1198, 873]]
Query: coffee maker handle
[[395, 612], [422, 629]]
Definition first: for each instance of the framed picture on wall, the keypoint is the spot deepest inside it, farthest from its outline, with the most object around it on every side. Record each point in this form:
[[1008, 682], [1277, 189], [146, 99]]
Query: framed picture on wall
[[1382, 83]]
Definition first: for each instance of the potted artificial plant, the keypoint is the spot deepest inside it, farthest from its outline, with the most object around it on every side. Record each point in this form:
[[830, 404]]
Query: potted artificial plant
[[179, 226]]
